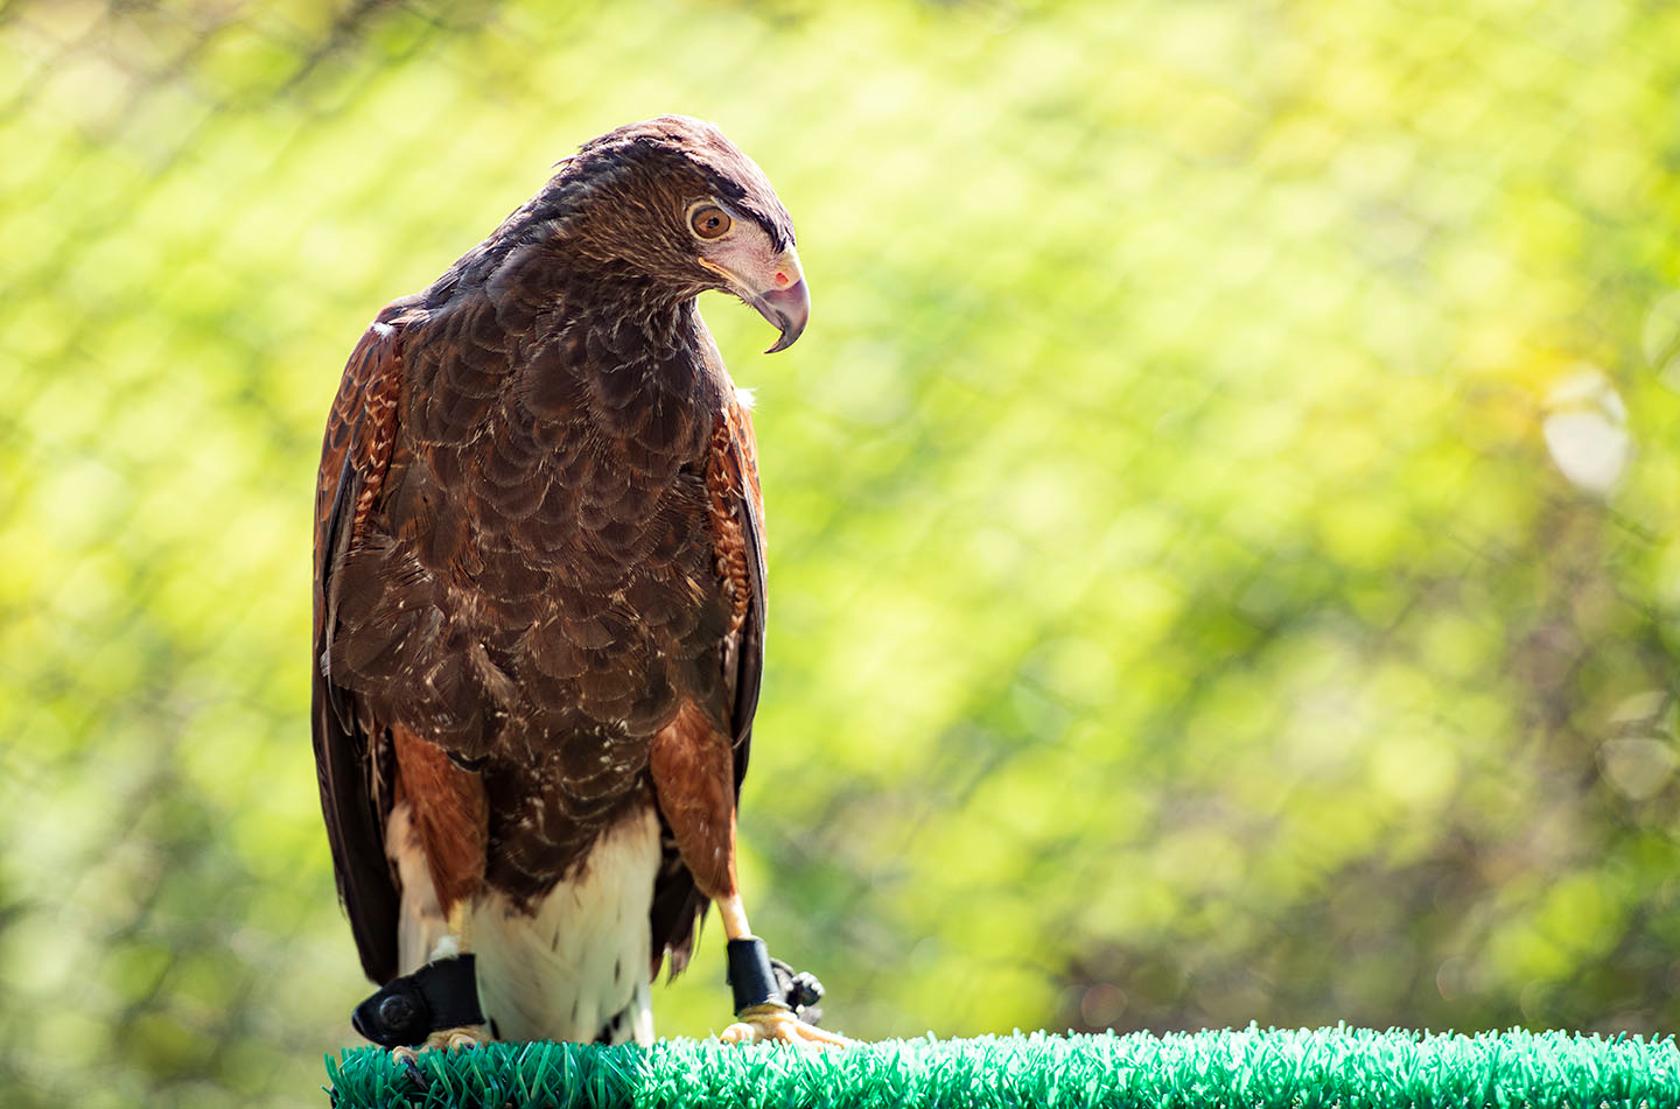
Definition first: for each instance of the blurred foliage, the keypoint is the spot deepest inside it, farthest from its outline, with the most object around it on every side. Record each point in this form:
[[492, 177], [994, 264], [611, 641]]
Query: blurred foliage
[[1222, 515]]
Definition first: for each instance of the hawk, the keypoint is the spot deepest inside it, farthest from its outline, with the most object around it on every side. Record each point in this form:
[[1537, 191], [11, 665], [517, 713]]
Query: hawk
[[539, 595]]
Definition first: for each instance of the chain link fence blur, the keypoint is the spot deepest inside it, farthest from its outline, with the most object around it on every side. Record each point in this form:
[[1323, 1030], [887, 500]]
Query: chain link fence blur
[[1222, 514]]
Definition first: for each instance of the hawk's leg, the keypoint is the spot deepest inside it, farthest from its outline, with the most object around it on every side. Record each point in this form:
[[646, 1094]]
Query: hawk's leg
[[456, 1037], [771, 1020], [691, 763], [432, 1008], [435, 838]]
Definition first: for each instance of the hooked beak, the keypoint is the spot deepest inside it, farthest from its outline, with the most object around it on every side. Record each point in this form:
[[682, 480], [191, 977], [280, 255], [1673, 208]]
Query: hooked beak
[[788, 309], [776, 288]]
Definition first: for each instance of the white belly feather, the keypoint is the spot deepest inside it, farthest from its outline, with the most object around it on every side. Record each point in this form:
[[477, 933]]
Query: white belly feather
[[584, 958]]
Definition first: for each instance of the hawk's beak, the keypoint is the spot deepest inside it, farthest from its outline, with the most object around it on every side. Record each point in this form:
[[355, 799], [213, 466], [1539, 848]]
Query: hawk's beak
[[788, 309], [775, 286]]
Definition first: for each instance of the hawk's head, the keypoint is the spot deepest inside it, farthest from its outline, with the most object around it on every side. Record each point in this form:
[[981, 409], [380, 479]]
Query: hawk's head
[[674, 202]]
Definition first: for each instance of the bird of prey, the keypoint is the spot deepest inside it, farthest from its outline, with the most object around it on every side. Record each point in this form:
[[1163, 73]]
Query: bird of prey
[[539, 595]]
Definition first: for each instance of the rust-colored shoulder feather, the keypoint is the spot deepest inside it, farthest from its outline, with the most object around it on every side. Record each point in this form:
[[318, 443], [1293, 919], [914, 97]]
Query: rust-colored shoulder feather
[[736, 458]]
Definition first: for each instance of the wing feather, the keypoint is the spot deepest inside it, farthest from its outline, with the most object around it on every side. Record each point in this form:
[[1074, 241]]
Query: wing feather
[[678, 904], [742, 459], [351, 749]]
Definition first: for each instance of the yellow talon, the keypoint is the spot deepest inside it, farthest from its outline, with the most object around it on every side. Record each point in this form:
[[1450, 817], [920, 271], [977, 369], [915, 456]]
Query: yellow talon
[[447, 1039], [773, 1023], [459, 1039]]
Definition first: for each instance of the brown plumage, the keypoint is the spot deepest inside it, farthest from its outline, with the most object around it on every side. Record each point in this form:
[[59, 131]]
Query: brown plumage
[[539, 568]]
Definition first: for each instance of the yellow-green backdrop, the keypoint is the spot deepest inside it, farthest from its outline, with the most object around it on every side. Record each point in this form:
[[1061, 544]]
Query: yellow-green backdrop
[[1223, 538]]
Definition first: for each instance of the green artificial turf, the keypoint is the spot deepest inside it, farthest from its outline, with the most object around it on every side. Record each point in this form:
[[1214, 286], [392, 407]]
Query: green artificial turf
[[1347, 1068]]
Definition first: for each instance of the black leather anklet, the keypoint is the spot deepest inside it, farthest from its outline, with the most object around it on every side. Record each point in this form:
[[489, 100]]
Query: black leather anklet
[[757, 979], [750, 976], [406, 1010]]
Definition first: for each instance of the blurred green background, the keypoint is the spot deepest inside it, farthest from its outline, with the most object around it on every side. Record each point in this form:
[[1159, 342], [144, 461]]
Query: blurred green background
[[1224, 560]]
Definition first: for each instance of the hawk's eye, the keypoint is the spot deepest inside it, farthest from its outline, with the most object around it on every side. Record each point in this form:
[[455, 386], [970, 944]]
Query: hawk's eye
[[709, 222]]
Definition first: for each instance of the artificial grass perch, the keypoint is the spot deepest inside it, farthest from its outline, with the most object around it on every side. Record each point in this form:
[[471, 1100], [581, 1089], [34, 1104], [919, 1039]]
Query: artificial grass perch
[[1332, 1068]]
